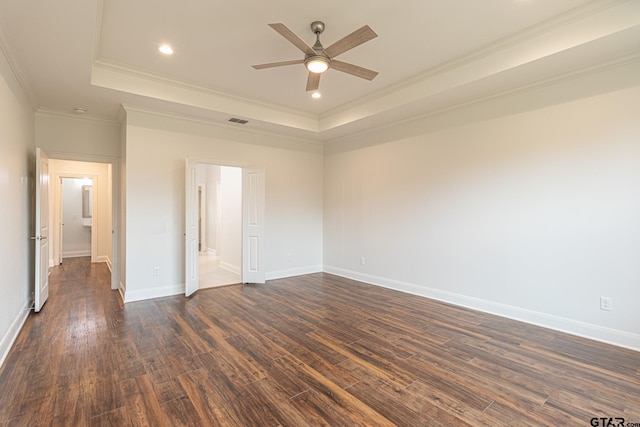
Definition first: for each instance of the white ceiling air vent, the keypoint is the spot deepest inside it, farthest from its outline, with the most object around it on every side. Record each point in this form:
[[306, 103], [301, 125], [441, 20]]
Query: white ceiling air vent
[[239, 121]]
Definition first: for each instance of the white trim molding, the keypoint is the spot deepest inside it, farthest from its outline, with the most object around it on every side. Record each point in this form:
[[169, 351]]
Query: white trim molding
[[291, 272], [557, 323], [75, 254], [9, 339], [144, 294], [230, 267]]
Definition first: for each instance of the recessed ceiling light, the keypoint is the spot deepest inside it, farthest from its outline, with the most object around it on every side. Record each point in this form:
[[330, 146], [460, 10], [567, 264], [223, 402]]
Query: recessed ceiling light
[[316, 95], [79, 110], [166, 49]]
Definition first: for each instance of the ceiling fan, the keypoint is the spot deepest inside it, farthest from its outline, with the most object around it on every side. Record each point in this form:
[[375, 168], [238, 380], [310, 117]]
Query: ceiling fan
[[318, 59]]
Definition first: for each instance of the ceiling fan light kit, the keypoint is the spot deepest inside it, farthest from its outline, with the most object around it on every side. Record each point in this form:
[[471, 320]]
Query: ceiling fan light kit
[[317, 59], [317, 64]]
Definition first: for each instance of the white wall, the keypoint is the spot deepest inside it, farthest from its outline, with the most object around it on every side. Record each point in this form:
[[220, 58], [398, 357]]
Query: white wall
[[230, 250], [76, 235], [17, 161], [532, 215], [65, 136], [156, 149]]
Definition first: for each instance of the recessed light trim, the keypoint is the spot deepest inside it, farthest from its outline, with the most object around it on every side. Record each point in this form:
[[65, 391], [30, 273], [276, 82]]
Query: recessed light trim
[[166, 49], [316, 95]]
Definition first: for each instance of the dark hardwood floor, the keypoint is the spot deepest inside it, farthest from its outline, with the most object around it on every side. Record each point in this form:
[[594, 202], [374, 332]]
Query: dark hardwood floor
[[311, 350]]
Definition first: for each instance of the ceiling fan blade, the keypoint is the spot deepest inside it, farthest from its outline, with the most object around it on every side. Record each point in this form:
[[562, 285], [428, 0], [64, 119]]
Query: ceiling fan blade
[[278, 64], [354, 39], [285, 32], [354, 70], [313, 82]]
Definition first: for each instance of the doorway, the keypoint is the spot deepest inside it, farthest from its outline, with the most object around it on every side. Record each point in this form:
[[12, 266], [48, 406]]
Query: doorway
[[76, 218], [219, 225], [93, 212], [244, 206]]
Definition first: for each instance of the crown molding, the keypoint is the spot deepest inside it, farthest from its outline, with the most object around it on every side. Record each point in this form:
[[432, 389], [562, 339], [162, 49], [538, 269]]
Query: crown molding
[[43, 111], [128, 108], [174, 81], [112, 75]]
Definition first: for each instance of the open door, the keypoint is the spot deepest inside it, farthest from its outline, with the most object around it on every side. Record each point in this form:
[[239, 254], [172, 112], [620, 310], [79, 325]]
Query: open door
[[253, 188], [41, 289], [191, 229]]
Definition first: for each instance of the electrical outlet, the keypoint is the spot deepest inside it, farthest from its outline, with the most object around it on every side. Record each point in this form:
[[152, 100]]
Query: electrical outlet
[[606, 303], [156, 271], [361, 260]]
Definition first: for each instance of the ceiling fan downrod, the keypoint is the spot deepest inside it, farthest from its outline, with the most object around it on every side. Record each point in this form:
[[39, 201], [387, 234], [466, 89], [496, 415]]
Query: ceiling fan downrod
[[318, 28]]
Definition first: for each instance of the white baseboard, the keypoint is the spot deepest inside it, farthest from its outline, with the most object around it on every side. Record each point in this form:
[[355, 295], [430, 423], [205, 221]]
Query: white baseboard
[[75, 254], [10, 337], [164, 291], [230, 267], [122, 290], [212, 252], [106, 259], [298, 271], [561, 324]]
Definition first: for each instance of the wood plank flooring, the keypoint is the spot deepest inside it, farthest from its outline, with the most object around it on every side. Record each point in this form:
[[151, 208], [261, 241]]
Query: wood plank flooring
[[315, 350]]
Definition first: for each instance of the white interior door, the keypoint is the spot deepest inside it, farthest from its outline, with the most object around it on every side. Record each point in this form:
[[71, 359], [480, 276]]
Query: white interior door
[[253, 189], [41, 292], [191, 229]]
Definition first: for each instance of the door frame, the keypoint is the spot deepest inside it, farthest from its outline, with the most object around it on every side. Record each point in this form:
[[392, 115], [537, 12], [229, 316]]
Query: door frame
[[191, 267], [59, 212], [202, 215]]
